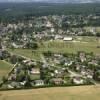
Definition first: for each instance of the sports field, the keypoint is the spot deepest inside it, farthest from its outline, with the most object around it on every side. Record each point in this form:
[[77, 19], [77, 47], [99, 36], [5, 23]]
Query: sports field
[[65, 93]]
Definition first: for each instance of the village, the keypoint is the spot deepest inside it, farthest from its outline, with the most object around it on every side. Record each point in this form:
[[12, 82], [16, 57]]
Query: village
[[52, 70], [50, 51], [52, 27]]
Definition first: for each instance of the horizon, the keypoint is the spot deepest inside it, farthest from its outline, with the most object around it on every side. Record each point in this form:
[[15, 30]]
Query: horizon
[[50, 1]]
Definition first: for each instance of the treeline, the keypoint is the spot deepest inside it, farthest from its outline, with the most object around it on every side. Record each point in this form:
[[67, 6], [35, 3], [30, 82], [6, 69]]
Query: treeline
[[19, 11]]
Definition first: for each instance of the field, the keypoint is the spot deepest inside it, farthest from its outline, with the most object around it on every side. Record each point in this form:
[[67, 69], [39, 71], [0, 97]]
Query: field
[[97, 29], [87, 44], [66, 93], [4, 68]]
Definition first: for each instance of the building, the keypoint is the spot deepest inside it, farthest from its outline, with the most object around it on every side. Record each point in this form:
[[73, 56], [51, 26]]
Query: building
[[35, 71], [67, 39], [58, 37], [78, 80], [57, 81], [39, 82]]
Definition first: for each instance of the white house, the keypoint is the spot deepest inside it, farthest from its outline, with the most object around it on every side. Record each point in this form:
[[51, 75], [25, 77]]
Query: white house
[[58, 37], [78, 80], [35, 71], [39, 82], [52, 30], [67, 39], [23, 83]]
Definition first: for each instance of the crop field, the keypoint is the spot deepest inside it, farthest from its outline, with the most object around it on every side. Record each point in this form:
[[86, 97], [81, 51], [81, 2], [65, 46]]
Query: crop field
[[58, 93], [4, 68]]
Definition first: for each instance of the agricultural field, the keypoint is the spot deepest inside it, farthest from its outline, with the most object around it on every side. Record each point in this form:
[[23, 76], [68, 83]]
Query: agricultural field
[[4, 68], [59, 93]]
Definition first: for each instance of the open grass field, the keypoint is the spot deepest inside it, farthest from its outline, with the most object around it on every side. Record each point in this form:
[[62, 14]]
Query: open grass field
[[58, 93], [87, 44], [4, 68], [27, 53]]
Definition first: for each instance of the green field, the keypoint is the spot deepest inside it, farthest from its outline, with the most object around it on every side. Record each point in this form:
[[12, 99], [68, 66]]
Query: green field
[[64, 93], [4, 68], [27, 53], [97, 29], [87, 44]]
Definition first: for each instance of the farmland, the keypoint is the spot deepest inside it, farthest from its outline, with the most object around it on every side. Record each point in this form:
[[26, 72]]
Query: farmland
[[70, 93]]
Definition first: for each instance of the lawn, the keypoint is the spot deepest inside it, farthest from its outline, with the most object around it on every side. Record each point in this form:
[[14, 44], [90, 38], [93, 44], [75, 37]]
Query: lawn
[[4, 68], [27, 53], [66, 93]]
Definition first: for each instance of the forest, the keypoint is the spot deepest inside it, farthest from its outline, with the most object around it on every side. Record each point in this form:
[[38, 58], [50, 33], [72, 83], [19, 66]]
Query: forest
[[20, 11]]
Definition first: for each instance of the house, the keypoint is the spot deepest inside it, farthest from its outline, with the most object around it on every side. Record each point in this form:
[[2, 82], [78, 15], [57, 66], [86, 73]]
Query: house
[[52, 30], [67, 39], [10, 87], [49, 25], [56, 81], [23, 83], [83, 72], [26, 61], [39, 82], [45, 65], [16, 46], [78, 80], [93, 62], [68, 63], [13, 85], [82, 57], [58, 37], [12, 77], [35, 71], [29, 62], [90, 74]]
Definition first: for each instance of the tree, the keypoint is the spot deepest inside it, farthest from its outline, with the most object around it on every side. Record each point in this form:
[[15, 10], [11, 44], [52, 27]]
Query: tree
[[32, 45], [4, 79], [98, 34], [97, 75], [48, 53], [20, 76]]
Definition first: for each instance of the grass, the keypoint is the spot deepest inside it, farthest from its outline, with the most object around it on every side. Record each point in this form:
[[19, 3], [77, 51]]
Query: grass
[[70, 47], [4, 68], [26, 52], [34, 77], [87, 44], [97, 29], [58, 93]]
